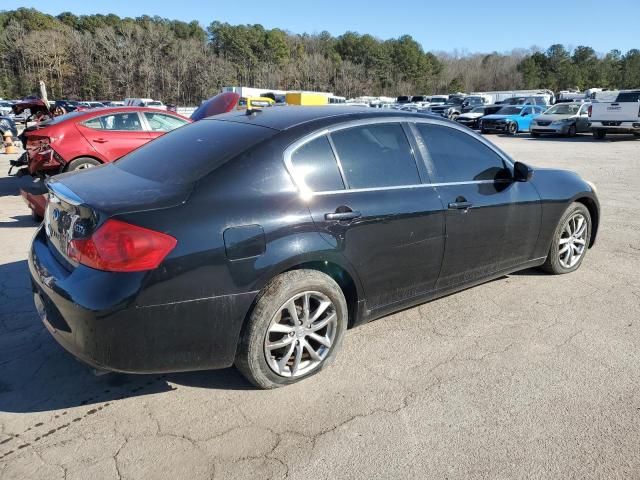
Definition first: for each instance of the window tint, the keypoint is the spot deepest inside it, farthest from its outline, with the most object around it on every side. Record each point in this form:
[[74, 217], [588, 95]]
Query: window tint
[[187, 154], [629, 96], [376, 156], [315, 163], [458, 157], [118, 121], [161, 122]]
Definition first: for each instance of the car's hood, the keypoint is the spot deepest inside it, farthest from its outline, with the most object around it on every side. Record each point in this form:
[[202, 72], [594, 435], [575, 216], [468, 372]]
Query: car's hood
[[554, 117]]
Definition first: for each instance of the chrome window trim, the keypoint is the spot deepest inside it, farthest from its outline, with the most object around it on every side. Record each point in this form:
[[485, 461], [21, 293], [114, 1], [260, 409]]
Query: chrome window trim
[[304, 189]]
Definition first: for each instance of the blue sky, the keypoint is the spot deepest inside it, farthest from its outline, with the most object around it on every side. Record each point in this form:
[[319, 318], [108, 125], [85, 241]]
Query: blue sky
[[463, 25]]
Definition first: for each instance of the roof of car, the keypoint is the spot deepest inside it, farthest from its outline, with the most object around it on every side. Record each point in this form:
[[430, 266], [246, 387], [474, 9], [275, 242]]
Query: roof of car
[[283, 118]]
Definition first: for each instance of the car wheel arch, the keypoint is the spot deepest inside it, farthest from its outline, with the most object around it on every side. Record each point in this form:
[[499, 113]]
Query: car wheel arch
[[342, 274], [595, 216]]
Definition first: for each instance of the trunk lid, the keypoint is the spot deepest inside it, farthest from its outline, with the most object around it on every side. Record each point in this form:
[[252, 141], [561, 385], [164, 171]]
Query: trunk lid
[[620, 111], [79, 202]]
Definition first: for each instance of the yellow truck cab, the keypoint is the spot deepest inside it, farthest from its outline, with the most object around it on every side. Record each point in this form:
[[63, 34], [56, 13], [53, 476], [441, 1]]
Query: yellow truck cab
[[255, 102], [306, 98]]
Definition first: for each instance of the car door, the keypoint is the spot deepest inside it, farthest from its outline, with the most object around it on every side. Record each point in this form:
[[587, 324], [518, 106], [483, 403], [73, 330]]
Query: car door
[[492, 222], [582, 122], [368, 199], [114, 135], [160, 123]]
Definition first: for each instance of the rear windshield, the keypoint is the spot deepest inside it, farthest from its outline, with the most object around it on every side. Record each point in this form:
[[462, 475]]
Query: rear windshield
[[629, 97], [61, 118], [190, 152]]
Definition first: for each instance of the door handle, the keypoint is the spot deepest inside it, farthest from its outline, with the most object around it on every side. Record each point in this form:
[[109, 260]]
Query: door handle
[[460, 205], [350, 215], [100, 140]]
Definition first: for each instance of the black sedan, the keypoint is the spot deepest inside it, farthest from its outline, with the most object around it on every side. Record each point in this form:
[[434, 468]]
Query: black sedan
[[257, 238]]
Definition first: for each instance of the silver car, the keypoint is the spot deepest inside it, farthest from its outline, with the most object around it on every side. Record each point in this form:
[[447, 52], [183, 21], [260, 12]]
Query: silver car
[[562, 119]]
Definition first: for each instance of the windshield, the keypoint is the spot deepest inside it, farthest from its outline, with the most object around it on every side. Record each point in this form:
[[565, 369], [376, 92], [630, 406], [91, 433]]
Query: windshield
[[478, 110], [61, 118], [455, 101], [509, 111], [188, 153], [154, 103], [438, 100], [563, 109]]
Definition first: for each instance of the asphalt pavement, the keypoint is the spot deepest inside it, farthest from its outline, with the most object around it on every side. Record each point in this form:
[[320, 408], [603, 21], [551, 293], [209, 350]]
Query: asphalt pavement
[[528, 376]]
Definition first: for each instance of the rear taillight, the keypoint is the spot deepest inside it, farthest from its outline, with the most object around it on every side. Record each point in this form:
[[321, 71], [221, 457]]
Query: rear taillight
[[121, 247], [589, 110]]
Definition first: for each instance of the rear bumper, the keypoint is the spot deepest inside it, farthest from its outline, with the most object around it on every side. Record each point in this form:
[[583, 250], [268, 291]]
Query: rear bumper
[[44, 161], [95, 317], [616, 127]]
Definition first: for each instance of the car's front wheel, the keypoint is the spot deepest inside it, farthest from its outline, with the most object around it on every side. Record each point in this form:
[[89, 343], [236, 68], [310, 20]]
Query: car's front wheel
[[294, 330], [512, 128], [570, 240]]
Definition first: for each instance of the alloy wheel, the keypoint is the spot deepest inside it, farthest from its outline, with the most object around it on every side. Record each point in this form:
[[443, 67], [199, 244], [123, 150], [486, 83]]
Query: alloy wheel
[[572, 242], [84, 166], [300, 334]]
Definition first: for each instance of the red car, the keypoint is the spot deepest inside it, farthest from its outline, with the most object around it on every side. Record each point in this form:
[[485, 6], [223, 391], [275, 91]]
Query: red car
[[83, 139]]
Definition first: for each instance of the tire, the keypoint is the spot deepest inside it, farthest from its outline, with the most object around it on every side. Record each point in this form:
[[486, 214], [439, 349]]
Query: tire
[[572, 131], [484, 131], [599, 134], [81, 164], [636, 134], [258, 363], [512, 128], [535, 135], [557, 262]]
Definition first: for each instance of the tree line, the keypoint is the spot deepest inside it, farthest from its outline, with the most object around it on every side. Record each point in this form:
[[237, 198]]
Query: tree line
[[106, 57]]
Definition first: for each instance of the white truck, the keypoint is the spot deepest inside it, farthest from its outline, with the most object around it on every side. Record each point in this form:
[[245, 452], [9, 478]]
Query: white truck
[[620, 116]]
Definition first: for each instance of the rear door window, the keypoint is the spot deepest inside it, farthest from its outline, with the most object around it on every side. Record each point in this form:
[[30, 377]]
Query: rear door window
[[375, 156], [455, 156], [315, 165], [187, 154]]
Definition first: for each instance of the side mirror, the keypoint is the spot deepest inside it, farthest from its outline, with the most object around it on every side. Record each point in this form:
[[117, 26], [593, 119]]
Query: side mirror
[[522, 172]]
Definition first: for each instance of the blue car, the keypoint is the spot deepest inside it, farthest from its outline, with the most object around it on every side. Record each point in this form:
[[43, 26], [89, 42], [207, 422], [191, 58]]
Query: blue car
[[511, 119]]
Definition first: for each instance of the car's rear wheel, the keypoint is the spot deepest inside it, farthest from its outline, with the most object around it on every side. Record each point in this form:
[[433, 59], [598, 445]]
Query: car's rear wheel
[[570, 240], [599, 134], [82, 163], [572, 131], [294, 330]]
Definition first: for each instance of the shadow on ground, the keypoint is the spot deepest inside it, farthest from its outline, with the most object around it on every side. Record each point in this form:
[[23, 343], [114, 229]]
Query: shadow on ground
[[10, 186], [36, 374]]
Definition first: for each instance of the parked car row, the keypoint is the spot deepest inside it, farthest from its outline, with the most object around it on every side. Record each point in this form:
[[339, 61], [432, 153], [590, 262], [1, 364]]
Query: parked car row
[[566, 118]]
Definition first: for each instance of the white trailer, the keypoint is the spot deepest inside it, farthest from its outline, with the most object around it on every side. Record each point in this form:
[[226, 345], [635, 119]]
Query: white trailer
[[498, 96]]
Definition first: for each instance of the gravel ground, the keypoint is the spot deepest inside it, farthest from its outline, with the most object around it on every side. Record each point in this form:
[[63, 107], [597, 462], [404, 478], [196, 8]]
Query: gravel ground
[[528, 376]]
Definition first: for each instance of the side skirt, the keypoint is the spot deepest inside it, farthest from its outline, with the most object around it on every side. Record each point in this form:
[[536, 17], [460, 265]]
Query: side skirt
[[369, 315]]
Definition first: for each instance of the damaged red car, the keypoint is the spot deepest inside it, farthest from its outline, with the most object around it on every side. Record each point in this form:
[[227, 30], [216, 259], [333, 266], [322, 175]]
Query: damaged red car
[[84, 139]]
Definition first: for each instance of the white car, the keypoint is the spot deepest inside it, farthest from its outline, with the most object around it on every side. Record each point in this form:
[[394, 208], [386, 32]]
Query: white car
[[621, 116], [144, 102]]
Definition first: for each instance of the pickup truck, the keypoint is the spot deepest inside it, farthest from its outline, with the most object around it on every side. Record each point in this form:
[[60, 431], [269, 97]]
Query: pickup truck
[[621, 116]]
